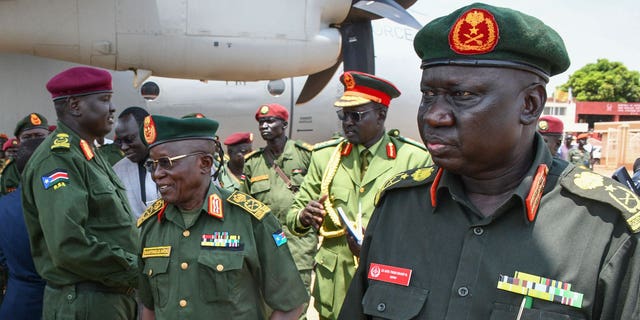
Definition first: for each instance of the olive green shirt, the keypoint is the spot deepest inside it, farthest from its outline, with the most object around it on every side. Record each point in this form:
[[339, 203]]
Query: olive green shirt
[[263, 183], [335, 262], [111, 153], [185, 275], [10, 178], [578, 235], [228, 180], [76, 211]]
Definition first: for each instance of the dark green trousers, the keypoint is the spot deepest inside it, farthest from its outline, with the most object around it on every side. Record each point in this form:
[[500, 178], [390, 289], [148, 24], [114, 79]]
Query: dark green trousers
[[67, 303]]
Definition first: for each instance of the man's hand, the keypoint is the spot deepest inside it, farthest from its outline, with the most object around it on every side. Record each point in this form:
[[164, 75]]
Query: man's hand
[[353, 244], [313, 214]]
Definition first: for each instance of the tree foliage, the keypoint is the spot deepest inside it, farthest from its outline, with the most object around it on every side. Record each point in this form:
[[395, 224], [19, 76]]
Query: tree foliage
[[604, 81]]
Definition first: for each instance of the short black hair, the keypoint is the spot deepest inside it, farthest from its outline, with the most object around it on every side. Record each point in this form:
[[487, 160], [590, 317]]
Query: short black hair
[[138, 113]]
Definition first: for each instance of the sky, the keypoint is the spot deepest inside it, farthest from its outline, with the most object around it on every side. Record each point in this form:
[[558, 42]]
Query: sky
[[591, 29]]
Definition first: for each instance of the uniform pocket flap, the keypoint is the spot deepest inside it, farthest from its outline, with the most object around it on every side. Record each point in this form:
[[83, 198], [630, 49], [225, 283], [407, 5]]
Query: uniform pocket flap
[[327, 259], [391, 301], [155, 266], [221, 261], [260, 186]]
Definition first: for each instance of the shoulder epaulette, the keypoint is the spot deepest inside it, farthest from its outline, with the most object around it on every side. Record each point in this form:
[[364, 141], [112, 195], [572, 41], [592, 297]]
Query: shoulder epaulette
[[303, 145], [249, 204], [252, 153], [61, 142], [328, 143], [395, 134], [154, 208], [409, 178], [593, 186]]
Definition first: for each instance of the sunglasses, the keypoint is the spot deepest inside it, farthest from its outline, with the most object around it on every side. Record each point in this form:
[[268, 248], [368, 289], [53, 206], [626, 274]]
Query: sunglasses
[[166, 163], [355, 116]]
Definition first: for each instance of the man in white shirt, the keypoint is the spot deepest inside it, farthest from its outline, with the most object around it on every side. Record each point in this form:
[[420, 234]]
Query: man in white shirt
[[141, 190]]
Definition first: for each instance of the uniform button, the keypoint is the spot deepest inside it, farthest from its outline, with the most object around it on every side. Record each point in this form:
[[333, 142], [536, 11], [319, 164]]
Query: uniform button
[[186, 233], [219, 267], [463, 291], [361, 190], [150, 272], [183, 303], [478, 231], [70, 297], [184, 266], [381, 307]]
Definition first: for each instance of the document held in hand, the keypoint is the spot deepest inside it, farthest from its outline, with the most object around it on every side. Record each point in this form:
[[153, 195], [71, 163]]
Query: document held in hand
[[354, 231]]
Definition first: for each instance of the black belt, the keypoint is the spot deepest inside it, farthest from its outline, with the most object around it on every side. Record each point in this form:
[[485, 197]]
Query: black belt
[[95, 287]]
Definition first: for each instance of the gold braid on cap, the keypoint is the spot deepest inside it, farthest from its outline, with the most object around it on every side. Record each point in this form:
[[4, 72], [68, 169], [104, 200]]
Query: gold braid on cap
[[327, 178]]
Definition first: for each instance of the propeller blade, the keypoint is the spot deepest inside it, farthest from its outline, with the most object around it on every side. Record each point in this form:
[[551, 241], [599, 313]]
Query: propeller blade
[[316, 82], [389, 9]]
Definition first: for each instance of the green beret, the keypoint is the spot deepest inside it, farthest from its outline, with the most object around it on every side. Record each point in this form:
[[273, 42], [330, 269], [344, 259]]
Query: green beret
[[33, 120], [160, 129], [488, 36]]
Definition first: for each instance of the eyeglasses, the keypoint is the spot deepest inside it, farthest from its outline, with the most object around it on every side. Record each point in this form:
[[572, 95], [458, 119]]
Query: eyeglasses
[[355, 116], [166, 163]]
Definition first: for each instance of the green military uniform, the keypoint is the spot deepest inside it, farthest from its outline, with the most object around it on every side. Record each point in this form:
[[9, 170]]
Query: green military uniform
[[266, 185], [346, 189], [228, 180], [111, 152], [580, 234], [223, 265], [10, 178], [579, 158], [80, 227]]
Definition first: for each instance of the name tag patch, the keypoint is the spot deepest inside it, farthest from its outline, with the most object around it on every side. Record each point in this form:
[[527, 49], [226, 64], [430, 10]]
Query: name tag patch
[[390, 274], [152, 252]]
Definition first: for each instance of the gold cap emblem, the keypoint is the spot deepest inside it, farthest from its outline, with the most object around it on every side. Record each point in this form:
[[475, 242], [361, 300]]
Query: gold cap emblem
[[149, 129], [349, 82], [35, 120], [475, 32], [264, 109]]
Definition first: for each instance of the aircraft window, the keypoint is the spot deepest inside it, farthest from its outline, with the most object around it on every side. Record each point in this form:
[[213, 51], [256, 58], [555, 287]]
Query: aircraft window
[[150, 90], [276, 87]]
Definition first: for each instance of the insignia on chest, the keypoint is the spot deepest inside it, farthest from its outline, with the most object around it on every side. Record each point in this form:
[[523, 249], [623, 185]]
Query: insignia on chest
[[222, 240]]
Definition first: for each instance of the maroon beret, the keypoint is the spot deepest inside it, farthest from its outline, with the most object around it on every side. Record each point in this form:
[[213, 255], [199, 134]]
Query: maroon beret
[[550, 125], [79, 81], [238, 138], [13, 142], [272, 110]]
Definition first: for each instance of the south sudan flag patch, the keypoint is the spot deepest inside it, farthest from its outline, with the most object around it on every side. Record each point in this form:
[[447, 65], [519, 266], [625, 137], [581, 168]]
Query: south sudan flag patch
[[56, 178]]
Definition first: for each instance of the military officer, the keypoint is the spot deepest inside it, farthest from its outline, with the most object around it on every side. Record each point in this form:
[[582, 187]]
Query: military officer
[[10, 177], [33, 126], [238, 145], [580, 156], [551, 129], [274, 174], [345, 174], [81, 231], [498, 229], [207, 251]]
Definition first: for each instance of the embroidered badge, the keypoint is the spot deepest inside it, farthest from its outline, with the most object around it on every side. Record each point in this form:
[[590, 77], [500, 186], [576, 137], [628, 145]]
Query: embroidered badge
[[249, 204], [215, 206], [346, 150], [535, 193], [264, 109], [259, 178], [390, 274], [279, 237], [543, 125], [149, 130], [61, 141], [588, 180], [86, 150], [541, 288], [627, 200], [221, 240], [475, 32], [57, 179], [422, 173], [35, 120], [349, 82], [152, 252], [391, 151]]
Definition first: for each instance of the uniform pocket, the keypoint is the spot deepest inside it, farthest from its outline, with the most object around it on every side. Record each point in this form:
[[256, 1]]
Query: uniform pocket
[[156, 271], [219, 275], [509, 312], [260, 186], [325, 278], [103, 195], [390, 301]]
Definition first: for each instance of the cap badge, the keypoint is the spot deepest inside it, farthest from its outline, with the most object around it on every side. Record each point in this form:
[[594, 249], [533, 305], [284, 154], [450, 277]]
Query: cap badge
[[250, 136], [349, 82], [149, 128], [264, 109], [475, 32], [35, 120], [543, 125]]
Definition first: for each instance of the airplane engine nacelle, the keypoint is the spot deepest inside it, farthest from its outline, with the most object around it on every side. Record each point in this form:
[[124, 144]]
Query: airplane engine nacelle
[[198, 39]]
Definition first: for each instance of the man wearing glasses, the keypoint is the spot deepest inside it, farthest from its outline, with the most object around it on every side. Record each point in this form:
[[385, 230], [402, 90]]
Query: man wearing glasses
[[345, 174], [81, 232], [208, 251], [141, 190]]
